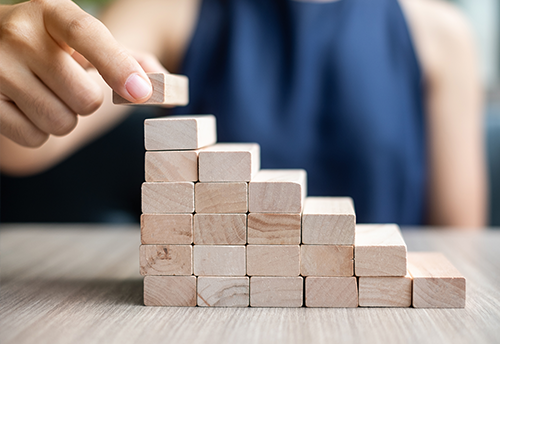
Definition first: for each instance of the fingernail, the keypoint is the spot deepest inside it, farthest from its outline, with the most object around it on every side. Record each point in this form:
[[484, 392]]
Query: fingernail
[[137, 86]]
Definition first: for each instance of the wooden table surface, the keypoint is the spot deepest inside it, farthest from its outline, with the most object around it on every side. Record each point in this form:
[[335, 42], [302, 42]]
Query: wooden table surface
[[81, 284]]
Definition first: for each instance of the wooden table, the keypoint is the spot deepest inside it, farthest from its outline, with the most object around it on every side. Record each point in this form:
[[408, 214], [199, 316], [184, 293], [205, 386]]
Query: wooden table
[[81, 284]]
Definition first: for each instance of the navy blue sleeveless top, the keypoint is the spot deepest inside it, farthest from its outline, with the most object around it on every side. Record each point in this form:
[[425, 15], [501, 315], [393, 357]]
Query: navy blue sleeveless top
[[334, 88]]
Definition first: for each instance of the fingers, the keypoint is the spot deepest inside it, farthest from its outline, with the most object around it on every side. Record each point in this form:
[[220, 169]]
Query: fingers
[[17, 127]]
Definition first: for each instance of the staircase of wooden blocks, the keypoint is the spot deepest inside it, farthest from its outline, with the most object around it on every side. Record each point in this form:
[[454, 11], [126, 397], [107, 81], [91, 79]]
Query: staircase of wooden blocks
[[218, 231]]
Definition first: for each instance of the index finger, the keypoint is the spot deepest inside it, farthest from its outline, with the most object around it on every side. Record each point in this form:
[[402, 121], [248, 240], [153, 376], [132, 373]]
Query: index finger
[[71, 26]]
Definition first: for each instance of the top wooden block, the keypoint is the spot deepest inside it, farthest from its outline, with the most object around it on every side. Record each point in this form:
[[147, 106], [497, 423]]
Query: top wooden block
[[328, 220], [180, 132], [278, 191], [380, 251], [229, 162], [167, 90]]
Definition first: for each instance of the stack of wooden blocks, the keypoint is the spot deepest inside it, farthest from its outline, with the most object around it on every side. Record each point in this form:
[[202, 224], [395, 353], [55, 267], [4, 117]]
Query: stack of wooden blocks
[[217, 230]]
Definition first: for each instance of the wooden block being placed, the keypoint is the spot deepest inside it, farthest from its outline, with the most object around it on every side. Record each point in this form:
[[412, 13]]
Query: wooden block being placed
[[380, 251], [168, 89], [326, 260], [331, 292], [173, 291], [166, 259], [436, 282], [167, 197], [167, 228], [278, 191], [229, 162], [272, 228], [180, 132], [221, 197], [328, 220], [273, 260], [171, 166], [385, 291], [223, 291], [215, 260], [276, 291], [220, 229]]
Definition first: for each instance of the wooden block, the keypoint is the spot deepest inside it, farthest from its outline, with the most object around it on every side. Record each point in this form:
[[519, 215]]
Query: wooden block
[[223, 291], [436, 282], [278, 191], [166, 259], [171, 166], [180, 132], [216, 260], [220, 229], [380, 251], [385, 291], [276, 291], [328, 220], [272, 228], [229, 162], [331, 292], [170, 291], [273, 260], [221, 198], [167, 228], [326, 260], [167, 197], [168, 89]]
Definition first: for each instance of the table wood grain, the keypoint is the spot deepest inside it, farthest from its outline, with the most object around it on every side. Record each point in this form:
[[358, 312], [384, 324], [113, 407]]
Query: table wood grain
[[81, 284]]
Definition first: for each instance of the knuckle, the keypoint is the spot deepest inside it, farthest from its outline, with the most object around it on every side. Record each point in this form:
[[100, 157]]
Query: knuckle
[[16, 30], [83, 24], [62, 123], [89, 102]]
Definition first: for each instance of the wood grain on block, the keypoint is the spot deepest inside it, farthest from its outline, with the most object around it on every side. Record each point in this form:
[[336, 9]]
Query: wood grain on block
[[219, 229], [273, 228], [331, 292], [278, 191], [385, 291], [171, 166], [168, 89], [167, 228], [436, 282], [273, 260], [167, 197], [180, 132], [276, 291], [326, 260], [221, 197], [328, 220], [166, 259], [229, 162], [176, 291], [223, 291], [380, 251], [219, 260]]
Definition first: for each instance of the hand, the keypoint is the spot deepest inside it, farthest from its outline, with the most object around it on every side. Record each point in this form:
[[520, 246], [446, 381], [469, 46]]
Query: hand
[[44, 45]]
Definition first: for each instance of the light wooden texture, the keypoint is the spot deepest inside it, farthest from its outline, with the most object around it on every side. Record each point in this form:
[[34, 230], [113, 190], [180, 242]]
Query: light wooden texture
[[223, 291], [272, 228], [180, 132], [221, 198], [278, 191], [380, 251], [273, 260], [328, 220], [170, 291], [219, 229], [276, 291], [229, 162], [331, 292], [171, 166], [436, 282], [326, 260], [167, 228], [167, 197], [385, 291], [166, 259], [168, 89], [81, 284], [214, 260]]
